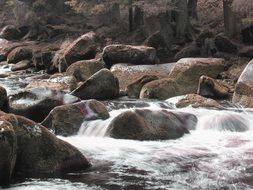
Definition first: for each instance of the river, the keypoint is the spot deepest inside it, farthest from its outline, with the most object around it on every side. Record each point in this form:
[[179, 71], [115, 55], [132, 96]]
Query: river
[[210, 157]]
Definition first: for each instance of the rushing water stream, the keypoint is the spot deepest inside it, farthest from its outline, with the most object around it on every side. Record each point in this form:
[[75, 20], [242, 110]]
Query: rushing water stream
[[210, 157]]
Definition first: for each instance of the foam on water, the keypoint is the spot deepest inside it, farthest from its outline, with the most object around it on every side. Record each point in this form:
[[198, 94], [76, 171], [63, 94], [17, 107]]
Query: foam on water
[[210, 157]]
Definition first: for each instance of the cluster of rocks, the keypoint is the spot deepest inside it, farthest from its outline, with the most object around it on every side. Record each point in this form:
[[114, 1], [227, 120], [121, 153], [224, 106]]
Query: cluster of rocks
[[29, 149], [81, 71]]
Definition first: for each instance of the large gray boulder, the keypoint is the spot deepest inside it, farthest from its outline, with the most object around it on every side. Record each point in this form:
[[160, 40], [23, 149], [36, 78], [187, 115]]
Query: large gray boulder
[[129, 73], [39, 152], [82, 70], [102, 85], [244, 88], [224, 44], [197, 101], [134, 89], [36, 103], [10, 32], [19, 54], [145, 124], [8, 149], [66, 120], [119, 53], [161, 89], [83, 48], [216, 89], [3, 98], [187, 71]]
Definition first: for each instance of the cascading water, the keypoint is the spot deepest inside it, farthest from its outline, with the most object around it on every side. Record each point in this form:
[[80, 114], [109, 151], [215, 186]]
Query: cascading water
[[217, 155]]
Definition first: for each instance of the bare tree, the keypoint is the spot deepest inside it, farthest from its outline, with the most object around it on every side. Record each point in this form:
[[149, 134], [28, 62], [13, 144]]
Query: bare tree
[[229, 18], [192, 9], [130, 11]]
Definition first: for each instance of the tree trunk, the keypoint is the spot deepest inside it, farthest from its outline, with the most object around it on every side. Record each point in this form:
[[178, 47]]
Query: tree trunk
[[192, 9], [114, 13], [138, 19], [229, 19], [130, 19], [182, 20]]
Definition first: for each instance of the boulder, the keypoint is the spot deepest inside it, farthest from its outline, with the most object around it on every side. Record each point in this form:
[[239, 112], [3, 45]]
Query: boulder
[[66, 120], [227, 122], [10, 32], [8, 149], [224, 44], [127, 73], [83, 48], [101, 85], [21, 65], [235, 71], [43, 59], [246, 51], [209, 87], [3, 98], [186, 72], [19, 54], [161, 89], [247, 34], [203, 35], [134, 89], [191, 50], [39, 152], [36, 103], [197, 101], [138, 55], [244, 88], [82, 70], [144, 124], [209, 49], [158, 42], [58, 82], [4, 49]]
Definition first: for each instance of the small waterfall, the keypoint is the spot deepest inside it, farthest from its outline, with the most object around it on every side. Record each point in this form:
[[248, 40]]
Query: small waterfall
[[218, 120], [97, 128]]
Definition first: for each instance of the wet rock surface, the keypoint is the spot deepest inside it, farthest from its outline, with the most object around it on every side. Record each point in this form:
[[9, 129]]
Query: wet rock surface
[[66, 120], [8, 149], [244, 87], [40, 152], [3, 98], [38, 102], [144, 124], [212, 88], [197, 101]]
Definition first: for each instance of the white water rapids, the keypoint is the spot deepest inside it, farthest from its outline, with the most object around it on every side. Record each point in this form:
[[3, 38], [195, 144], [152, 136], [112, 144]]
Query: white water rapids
[[210, 157]]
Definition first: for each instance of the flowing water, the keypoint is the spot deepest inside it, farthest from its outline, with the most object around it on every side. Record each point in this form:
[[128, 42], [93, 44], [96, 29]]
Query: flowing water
[[210, 157]]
